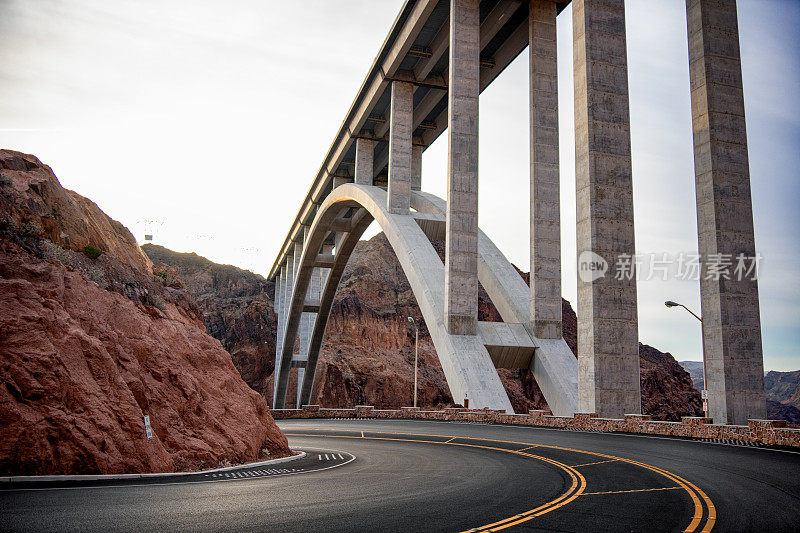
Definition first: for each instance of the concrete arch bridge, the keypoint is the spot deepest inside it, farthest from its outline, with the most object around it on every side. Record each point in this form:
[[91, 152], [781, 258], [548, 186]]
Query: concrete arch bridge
[[426, 80]]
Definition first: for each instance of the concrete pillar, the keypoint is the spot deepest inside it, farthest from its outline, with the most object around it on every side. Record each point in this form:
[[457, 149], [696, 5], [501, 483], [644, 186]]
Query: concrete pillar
[[340, 180], [276, 300], [306, 319], [730, 309], [298, 252], [461, 242], [287, 287], [416, 168], [400, 128], [365, 153], [321, 275], [279, 290], [300, 376], [327, 249], [545, 213], [608, 349]]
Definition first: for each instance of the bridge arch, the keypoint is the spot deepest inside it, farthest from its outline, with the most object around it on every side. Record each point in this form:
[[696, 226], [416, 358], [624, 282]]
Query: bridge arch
[[468, 366]]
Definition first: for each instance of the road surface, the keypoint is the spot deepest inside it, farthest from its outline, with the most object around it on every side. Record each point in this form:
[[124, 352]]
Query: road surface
[[373, 475]]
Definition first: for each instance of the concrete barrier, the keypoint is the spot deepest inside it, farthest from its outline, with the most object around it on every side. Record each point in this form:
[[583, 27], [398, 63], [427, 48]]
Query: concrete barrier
[[757, 432]]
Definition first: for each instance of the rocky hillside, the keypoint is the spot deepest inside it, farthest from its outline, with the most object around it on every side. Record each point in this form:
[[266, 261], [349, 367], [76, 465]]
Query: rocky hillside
[[367, 355], [783, 387], [782, 390], [91, 341], [236, 304], [695, 370]]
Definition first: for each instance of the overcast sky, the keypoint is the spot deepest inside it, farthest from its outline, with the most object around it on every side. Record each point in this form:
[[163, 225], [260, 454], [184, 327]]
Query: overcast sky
[[204, 122]]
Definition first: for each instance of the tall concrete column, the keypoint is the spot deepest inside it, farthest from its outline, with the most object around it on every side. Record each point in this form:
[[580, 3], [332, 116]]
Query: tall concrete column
[[306, 324], [461, 241], [416, 168], [276, 300], [279, 290], [365, 153], [402, 114], [287, 287], [608, 349], [298, 253], [545, 213], [730, 309], [321, 277]]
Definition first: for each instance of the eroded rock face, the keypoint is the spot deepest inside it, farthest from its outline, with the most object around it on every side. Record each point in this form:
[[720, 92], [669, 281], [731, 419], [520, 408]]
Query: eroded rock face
[[236, 305], [89, 346], [32, 198], [783, 387], [782, 390]]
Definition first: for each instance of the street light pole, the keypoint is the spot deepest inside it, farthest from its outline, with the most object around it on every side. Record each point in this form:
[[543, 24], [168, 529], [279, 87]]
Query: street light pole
[[704, 393], [416, 356]]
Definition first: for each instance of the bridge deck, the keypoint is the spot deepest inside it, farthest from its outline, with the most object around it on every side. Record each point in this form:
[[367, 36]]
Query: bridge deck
[[415, 50]]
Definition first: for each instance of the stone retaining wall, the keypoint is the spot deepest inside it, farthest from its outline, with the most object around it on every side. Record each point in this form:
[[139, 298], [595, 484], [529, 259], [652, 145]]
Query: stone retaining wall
[[764, 432]]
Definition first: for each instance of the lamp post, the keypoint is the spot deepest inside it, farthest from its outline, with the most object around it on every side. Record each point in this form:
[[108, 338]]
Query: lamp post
[[416, 355], [704, 393]]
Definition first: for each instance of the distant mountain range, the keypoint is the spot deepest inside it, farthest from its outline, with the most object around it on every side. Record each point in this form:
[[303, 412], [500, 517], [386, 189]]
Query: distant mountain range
[[782, 388]]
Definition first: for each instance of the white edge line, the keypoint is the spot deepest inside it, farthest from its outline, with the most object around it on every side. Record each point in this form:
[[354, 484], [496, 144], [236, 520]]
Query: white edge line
[[101, 477], [352, 458]]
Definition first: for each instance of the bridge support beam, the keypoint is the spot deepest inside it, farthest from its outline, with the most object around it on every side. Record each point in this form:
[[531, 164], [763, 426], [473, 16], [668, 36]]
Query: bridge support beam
[[608, 349], [730, 308], [365, 154], [402, 113], [461, 233], [545, 220]]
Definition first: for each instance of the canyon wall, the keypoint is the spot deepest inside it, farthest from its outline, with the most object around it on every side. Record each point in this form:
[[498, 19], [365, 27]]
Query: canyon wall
[[92, 340]]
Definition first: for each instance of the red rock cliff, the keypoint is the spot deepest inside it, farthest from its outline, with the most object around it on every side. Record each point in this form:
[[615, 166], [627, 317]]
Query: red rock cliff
[[89, 345]]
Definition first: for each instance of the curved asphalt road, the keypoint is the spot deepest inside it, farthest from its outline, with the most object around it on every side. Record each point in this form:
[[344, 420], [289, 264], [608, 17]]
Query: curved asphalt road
[[435, 476]]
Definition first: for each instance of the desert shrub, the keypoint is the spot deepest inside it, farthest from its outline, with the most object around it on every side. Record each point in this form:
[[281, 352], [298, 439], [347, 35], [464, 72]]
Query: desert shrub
[[31, 229], [156, 301], [92, 252], [50, 250], [8, 224], [94, 272]]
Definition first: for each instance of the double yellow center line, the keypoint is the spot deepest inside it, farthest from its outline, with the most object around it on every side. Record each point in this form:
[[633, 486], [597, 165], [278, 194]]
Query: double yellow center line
[[578, 482]]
